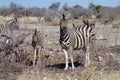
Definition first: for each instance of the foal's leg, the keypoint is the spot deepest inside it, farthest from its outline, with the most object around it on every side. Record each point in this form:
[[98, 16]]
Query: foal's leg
[[35, 56], [85, 52]]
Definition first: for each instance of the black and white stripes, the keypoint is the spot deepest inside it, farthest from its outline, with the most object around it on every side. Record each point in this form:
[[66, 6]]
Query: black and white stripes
[[76, 38]]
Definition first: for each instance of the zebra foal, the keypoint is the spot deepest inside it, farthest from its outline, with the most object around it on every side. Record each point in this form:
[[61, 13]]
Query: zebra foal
[[76, 38], [37, 44]]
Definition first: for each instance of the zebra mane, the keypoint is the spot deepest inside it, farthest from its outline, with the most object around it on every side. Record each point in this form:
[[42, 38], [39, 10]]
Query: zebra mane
[[86, 22], [89, 22]]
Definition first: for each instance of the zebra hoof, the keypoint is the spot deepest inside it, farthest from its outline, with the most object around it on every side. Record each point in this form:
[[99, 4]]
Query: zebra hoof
[[65, 68], [73, 68]]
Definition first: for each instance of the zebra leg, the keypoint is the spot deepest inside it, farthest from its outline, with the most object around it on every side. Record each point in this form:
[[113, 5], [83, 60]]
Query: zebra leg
[[35, 56], [66, 58], [71, 58], [85, 52], [88, 55]]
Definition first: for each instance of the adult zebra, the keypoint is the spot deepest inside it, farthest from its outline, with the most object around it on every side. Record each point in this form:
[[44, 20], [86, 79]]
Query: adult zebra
[[12, 24], [76, 38]]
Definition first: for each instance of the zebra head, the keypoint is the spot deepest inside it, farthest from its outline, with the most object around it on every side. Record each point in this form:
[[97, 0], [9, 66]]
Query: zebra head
[[16, 24], [63, 25]]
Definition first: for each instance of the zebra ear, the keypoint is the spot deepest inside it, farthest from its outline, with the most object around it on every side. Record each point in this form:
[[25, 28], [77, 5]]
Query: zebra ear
[[63, 16]]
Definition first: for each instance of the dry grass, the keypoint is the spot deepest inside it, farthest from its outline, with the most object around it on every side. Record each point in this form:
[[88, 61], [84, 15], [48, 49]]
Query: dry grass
[[28, 19], [31, 20], [22, 20], [94, 72], [78, 74], [4, 19]]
